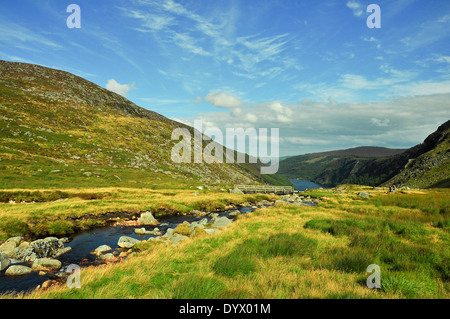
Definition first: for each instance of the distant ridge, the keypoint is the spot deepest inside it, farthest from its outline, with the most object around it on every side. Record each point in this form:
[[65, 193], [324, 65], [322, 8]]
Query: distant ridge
[[363, 151], [424, 165]]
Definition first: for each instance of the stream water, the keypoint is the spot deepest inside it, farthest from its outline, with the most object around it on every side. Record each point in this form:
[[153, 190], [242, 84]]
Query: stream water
[[84, 243]]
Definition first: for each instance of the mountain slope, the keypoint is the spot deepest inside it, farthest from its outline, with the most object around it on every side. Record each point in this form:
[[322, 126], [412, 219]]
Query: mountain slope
[[429, 165], [424, 165], [58, 129], [330, 168]]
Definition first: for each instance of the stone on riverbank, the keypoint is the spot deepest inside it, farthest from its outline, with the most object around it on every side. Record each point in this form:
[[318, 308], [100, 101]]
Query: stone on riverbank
[[46, 264], [42, 248], [143, 231], [234, 213], [107, 257], [220, 222], [4, 261], [127, 242], [18, 270], [103, 249], [10, 244], [147, 219]]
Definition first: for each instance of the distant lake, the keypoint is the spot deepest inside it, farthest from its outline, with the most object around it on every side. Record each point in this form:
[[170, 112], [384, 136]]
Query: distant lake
[[301, 185]]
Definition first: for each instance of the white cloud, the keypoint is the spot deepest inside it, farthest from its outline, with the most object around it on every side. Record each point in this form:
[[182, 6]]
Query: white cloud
[[221, 99], [121, 89], [198, 99], [380, 123], [310, 126], [356, 8]]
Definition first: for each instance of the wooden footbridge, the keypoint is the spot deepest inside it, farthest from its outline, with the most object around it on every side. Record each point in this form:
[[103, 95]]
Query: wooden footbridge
[[246, 189]]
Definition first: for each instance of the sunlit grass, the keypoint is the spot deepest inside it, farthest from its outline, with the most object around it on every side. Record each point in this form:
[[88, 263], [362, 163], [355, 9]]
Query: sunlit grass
[[291, 252]]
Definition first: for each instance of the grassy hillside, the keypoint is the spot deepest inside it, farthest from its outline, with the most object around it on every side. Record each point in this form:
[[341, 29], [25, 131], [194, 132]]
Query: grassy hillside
[[58, 130], [295, 252]]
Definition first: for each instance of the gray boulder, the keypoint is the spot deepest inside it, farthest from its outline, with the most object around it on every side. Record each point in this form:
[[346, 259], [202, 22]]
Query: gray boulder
[[127, 242], [61, 251], [236, 191], [147, 219], [143, 231], [4, 261], [107, 257], [18, 270], [46, 264], [42, 248], [234, 213], [103, 249], [363, 194], [177, 238], [10, 244], [201, 223], [211, 231], [220, 222], [168, 234]]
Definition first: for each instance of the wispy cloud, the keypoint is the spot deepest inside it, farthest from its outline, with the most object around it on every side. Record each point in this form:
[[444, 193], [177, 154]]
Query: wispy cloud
[[16, 36], [202, 36], [356, 7]]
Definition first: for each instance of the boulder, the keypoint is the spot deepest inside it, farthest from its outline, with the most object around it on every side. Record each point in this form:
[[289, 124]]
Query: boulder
[[61, 251], [211, 231], [42, 248], [236, 191], [220, 222], [363, 194], [168, 234], [107, 257], [46, 264], [4, 261], [127, 242], [201, 223], [18, 270], [10, 244], [234, 213], [103, 249], [147, 219], [143, 231], [177, 238]]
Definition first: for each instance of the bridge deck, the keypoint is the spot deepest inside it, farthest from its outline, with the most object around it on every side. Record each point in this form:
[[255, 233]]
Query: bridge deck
[[265, 189]]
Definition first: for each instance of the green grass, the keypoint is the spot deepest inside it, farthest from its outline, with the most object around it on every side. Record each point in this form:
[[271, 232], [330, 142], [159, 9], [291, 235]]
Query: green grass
[[293, 252]]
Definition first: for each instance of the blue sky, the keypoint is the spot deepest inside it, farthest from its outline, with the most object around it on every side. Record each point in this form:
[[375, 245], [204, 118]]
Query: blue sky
[[311, 68]]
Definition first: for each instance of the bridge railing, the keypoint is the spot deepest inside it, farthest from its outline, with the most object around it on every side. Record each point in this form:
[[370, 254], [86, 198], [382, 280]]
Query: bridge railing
[[265, 189]]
